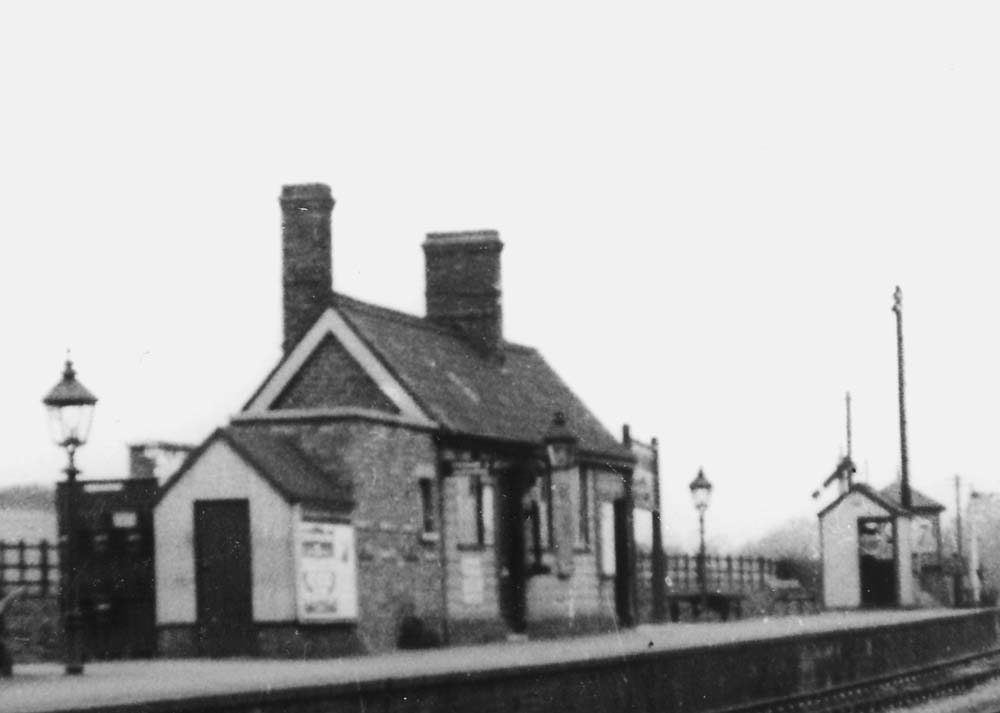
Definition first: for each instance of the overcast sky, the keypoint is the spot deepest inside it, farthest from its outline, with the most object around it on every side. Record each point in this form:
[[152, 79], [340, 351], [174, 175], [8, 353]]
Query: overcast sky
[[706, 207]]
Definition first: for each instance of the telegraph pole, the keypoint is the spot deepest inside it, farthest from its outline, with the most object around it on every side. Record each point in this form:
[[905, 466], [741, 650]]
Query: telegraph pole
[[958, 513], [848, 424], [659, 585], [904, 473], [960, 576]]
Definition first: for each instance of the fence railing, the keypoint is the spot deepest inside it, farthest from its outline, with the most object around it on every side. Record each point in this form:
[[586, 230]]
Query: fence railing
[[722, 574], [34, 566]]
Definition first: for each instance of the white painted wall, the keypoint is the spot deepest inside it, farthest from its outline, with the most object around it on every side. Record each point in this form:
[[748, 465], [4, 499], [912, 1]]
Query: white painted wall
[[839, 530], [220, 474]]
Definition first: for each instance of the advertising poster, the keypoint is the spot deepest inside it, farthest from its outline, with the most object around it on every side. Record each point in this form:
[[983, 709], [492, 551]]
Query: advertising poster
[[327, 584]]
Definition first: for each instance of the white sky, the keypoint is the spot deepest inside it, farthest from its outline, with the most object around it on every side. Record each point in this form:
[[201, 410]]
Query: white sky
[[705, 206]]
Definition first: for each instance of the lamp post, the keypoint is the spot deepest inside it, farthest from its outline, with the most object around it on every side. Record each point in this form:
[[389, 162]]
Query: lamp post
[[701, 493], [561, 446], [560, 443], [71, 407]]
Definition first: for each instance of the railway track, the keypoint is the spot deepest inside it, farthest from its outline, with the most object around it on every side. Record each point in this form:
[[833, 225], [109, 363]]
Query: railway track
[[886, 692]]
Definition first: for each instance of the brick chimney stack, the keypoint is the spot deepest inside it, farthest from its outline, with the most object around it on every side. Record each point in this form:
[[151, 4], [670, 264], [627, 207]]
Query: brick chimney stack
[[463, 286], [307, 270]]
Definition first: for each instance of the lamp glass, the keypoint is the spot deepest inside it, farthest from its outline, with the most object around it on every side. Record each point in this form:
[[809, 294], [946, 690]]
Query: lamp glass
[[701, 497], [560, 455], [69, 424]]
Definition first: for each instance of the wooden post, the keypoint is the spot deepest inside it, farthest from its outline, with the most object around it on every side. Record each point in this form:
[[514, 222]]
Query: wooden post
[[22, 563], [760, 567], [729, 570], [43, 566]]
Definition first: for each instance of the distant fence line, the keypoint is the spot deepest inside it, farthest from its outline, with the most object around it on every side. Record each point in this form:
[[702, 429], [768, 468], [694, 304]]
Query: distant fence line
[[34, 566], [722, 573]]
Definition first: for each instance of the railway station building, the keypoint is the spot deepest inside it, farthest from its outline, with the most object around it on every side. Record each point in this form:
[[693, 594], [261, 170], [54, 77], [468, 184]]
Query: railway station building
[[396, 480]]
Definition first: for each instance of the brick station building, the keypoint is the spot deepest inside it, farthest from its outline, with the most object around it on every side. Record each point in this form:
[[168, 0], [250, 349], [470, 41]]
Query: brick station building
[[388, 484]]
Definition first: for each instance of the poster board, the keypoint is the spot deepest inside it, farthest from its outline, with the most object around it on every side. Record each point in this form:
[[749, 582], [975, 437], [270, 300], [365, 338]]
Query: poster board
[[325, 572], [607, 532], [644, 476]]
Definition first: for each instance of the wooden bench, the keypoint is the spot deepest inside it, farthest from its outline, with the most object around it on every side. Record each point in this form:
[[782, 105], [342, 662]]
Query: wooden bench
[[801, 598]]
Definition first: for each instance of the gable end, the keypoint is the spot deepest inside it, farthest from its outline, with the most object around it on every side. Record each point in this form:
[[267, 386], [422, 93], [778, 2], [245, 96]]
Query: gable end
[[332, 378]]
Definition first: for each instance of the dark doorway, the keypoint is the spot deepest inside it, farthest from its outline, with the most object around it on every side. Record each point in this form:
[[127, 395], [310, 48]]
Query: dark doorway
[[512, 549], [623, 564], [222, 577], [877, 561]]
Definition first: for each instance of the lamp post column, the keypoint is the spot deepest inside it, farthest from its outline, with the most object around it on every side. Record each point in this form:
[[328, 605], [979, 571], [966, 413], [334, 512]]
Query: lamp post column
[[70, 406], [702, 574], [73, 622], [701, 491]]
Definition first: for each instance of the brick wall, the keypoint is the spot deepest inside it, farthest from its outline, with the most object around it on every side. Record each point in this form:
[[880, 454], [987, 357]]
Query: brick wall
[[331, 377], [399, 573]]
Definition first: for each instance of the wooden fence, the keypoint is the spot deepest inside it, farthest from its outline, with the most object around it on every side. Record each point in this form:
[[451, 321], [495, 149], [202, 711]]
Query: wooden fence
[[722, 574], [34, 566]]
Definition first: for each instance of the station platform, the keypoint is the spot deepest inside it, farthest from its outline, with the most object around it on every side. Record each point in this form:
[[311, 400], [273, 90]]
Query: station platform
[[427, 678]]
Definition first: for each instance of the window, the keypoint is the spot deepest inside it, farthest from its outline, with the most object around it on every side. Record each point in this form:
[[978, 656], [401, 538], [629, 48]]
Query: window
[[427, 509], [545, 510], [538, 522], [583, 514], [486, 513]]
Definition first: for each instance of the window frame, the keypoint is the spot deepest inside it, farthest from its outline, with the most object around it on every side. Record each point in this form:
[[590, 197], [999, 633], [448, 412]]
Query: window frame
[[429, 529], [583, 518]]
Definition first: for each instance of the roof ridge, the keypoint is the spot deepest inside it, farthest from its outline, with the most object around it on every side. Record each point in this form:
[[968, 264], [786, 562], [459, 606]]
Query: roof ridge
[[412, 319]]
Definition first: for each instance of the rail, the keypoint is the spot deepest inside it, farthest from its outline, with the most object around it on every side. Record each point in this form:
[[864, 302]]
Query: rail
[[891, 691]]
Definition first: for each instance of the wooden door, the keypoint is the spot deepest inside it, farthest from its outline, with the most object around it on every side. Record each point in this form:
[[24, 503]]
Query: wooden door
[[512, 550], [223, 577], [623, 564]]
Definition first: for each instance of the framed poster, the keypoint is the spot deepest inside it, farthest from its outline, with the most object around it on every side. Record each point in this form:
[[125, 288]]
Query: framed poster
[[325, 572]]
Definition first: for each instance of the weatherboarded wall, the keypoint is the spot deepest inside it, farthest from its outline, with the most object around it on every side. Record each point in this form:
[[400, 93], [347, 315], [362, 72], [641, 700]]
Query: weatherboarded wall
[[839, 538], [220, 474]]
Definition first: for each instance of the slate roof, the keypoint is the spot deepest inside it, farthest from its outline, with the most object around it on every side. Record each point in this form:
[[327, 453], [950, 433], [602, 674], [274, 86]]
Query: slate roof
[[280, 462], [470, 395], [918, 501], [872, 494]]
